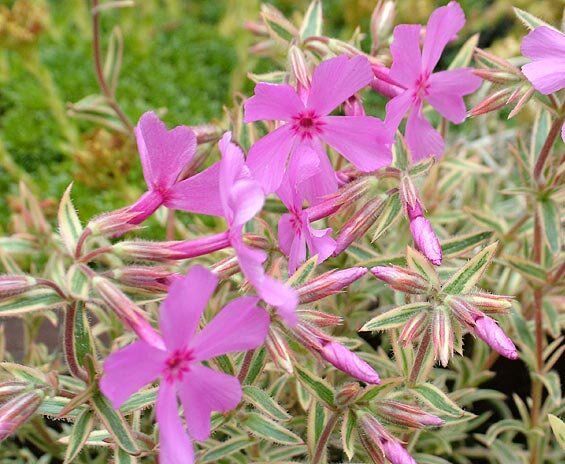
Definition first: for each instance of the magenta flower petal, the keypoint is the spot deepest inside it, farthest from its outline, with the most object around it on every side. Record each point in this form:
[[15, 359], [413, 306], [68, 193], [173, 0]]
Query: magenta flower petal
[[203, 391], [547, 75], [286, 233], [405, 50], [397, 108], [324, 182], [272, 102], [174, 445], [181, 310], [282, 297], [490, 332], [447, 89], [163, 153], [243, 316], [268, 156], [426, 240], [422, 139], [396, 453], [130, 369], [543, 42], [320, 242], [337, 79], [347, 361], [443, 26], [197, 194], [363, 140]]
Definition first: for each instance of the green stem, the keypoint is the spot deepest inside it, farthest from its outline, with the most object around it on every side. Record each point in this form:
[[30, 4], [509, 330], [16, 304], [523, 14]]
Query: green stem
[[324, 438]]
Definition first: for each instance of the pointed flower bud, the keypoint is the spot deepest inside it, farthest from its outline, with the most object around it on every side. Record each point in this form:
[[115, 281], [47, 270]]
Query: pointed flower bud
[[11, 388], [488, 302], [319, 318], [490, 332], [402, 279], [279, 350], [141, 250], [11, 285], [206, 133], [413, 328], [465, 312], [382, 21], [493, 102], [406, 415], [114, 223], [298, 66], [396, 453], [312, 338], [358, 224], [127, 311], [410, 198], [442, 336], [151, 278], [226, 267], [426, 240], [348, 394], [353, 106], [17, 411], [329, 283], [348, 362]]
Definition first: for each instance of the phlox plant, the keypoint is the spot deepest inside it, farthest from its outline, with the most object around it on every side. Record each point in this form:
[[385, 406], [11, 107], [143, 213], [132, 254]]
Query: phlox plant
[[327, 285]]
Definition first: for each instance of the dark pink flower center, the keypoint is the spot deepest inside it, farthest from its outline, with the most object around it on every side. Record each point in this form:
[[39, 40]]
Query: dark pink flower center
[[178, 364], [306, 124], [422, 88], [296, 221]]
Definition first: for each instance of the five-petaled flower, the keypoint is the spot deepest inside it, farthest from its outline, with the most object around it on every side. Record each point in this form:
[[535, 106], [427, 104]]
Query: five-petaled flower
[[412, 70], [363, 140], [178, 364]]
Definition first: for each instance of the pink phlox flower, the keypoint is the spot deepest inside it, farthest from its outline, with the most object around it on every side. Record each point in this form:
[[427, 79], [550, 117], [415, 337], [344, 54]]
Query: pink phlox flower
[[296, 234], [178, 365], [412, 69], [307, 125], [242, 198], [545, 46], [164, 153]]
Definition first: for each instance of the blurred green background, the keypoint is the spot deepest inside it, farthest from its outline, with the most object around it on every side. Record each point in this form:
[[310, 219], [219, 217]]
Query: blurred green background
[[186, 58]]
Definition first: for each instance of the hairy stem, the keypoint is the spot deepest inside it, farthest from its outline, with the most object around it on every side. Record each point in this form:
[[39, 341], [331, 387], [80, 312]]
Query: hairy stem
[[420, 356], [324, 437], [245, 365], [546, 149]]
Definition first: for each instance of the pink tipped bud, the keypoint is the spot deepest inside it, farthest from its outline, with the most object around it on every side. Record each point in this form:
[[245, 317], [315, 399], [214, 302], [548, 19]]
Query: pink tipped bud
[[463, 310], [348, 362], [279, 350], [169, 251], [256, 28], [11, 388], [115, 223], [358, 224], [319, 318], [410, 198], [426, 240], [402, 279], [442, 336], [353, 106], [490, 332], [406, 415], [330, 283], [373, 429], [150, 278], [226, 267], [312, 338], [11, 285], [298, 66], [382, 21], [413, 328], [348, 394], [256, 241], [489, 303], [493, 102], [396, 453], [127, 311], [206, 133], [497, 76], [17, 411]]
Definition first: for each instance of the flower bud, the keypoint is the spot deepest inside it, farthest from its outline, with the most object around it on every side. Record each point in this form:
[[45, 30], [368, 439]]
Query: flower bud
[[348, 362], [114, 223], [127, 311], [490, 332], [410, 198], [11, 285], [206, 133], [174, 250], [488, 302], [12, 387], [413, 328], [382, 21], [226, 267], [463, 310], [442, 336], [353, 106], [256, 28], [298, 66], [374, 429], [312, 338], [406, 415], [145, 206], [426, 240], [16, 412], [497, 76], [358, 224], [319, 318], [493, 102], [402, 279], [151, 278], [347, 394], [279, 350], [329, 283], [396, 453]]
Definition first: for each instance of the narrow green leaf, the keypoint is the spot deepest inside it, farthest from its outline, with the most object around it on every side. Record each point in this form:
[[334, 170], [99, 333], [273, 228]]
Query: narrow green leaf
[[465, 53], [390, 213], [400, 153], [505, 425], [269, 430], [315, 385], [433, 396], [82, 335], [18, 245], [139, 401], [69, 223], [114, 423], [280, 28], [395, 317], [264, 403], [313, 20], [530, 270], [469, 275], [121, 457], [348, 425], [275, 77], [303, 273], [317, 419], [420, 264], [53, 406], [26, 373], [551, 224], [486, 218], [256, 366], [77, 283], [38, 299], [529, 20], [558, 427], [79, 434], [462, 244], [225, 449]]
